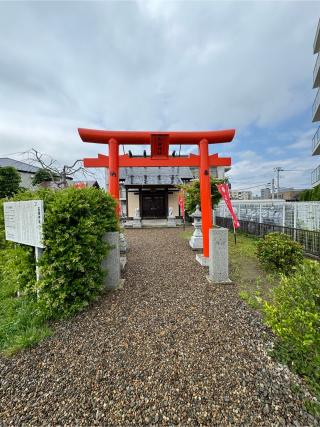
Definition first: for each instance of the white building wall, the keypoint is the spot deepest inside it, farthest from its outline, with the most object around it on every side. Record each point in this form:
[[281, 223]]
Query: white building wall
[[26, 180], [220, 172], [133, 203], [173, 203]]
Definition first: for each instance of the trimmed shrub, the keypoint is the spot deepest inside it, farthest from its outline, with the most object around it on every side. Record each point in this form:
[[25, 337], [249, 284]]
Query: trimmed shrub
[[17, 270], [294, 315], [74, 224], [280, 253]]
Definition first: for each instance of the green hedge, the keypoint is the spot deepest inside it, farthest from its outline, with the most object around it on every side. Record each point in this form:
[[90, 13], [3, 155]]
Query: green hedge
[[294, 315], [75, 221], [278, 252]]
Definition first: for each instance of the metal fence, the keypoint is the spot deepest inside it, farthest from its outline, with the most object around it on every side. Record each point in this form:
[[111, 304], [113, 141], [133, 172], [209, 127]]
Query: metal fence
[[305, 215], [310, 240]]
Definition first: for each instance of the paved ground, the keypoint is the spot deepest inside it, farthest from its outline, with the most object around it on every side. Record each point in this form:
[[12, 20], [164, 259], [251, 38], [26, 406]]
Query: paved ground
[[167, 349]]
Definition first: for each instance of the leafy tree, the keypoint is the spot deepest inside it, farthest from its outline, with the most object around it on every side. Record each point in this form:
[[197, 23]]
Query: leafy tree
[[9, 181], [192, 193], [311, 195], [316, 193], [43, 175]]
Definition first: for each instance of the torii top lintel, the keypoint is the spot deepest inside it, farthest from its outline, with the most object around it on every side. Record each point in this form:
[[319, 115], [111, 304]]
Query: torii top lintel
[[145, 137]]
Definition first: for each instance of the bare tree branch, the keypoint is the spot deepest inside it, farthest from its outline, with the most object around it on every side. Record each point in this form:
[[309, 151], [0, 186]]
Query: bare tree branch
[[58, 175]]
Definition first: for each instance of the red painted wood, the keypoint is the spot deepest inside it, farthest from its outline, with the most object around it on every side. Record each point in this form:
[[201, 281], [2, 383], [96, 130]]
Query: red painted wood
[[114, 170], [144, 138], [158, 158], [159, 146], [102, 161], [205, 195]]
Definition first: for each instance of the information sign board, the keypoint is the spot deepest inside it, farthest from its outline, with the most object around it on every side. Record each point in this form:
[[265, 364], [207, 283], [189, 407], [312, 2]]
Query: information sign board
[[23, 222]]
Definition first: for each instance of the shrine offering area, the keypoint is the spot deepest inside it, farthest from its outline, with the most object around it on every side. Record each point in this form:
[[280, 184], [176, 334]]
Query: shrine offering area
[[167, 348]]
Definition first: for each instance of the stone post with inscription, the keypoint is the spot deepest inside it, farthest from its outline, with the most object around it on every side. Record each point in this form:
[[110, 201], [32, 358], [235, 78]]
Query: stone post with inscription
[[218, 255]]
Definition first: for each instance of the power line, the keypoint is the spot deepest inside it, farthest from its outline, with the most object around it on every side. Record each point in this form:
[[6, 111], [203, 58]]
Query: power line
[[247, 188], [296, 170], [20, 153]]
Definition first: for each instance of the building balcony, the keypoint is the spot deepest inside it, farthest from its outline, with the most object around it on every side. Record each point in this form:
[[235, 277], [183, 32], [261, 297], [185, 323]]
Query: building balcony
[[316, 73], [316, 108], [316, 143], [315, 176], [316, 43]]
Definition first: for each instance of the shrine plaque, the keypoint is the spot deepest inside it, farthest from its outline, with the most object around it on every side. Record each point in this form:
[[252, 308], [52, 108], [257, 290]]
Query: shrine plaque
[[159, 146], [23, 222]]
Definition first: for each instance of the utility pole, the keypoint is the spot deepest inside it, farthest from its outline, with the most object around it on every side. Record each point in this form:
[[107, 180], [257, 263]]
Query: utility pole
[[278, 170], [271, 184], [272, 189]]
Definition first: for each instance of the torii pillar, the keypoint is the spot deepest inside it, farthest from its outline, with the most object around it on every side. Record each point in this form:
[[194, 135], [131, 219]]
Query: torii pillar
[[205, 195], [114, 169], [159, 142]]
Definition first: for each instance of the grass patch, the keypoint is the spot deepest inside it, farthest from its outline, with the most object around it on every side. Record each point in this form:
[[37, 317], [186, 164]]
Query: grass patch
[[245, 270], [289, 305], [186, 234], [21, 323], [257, 288]]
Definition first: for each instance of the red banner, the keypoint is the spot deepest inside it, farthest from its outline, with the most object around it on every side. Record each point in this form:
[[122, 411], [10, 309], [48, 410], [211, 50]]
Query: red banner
[[80, 185], [224, 191], [181, 203]]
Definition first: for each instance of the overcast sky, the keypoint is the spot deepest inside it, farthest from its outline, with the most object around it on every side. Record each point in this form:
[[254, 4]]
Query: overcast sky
[[158, 65]]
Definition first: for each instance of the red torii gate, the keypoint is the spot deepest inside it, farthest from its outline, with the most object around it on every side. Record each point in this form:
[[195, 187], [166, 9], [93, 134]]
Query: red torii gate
[[160, 142]]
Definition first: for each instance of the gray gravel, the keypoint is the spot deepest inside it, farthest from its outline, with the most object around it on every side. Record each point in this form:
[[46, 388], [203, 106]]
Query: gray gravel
[[169, 348]]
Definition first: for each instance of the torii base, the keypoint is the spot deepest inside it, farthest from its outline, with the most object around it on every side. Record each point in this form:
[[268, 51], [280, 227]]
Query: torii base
[[202, 260]]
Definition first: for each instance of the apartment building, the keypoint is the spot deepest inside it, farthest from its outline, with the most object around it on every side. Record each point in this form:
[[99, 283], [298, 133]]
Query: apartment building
[[315, 174], [265, 193], [240, 195]]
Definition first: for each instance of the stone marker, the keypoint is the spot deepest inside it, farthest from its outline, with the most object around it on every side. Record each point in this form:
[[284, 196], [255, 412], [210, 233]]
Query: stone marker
[[123, 250], [196, 241], [136, 219], [218, 255], [111, 264], [171, 219], [123, 243]]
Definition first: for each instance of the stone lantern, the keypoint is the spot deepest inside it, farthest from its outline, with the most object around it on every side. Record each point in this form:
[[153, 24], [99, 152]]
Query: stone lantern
[[196, 241]]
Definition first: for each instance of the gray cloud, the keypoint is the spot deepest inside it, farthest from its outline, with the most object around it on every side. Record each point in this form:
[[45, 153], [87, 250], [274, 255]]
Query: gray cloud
[[149, 65]]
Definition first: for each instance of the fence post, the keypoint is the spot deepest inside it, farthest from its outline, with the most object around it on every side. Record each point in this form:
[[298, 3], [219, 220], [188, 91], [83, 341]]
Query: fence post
[[284, 214], [260, 213], [295, 221]]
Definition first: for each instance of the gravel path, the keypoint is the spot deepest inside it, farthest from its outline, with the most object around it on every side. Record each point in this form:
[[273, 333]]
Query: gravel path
[[169, 348]]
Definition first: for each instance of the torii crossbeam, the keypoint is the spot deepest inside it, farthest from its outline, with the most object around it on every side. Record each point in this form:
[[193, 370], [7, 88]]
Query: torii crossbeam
[[159, 142]]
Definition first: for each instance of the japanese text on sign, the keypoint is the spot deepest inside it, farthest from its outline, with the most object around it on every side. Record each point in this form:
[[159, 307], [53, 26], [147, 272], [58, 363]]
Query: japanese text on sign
[[23, 222]]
